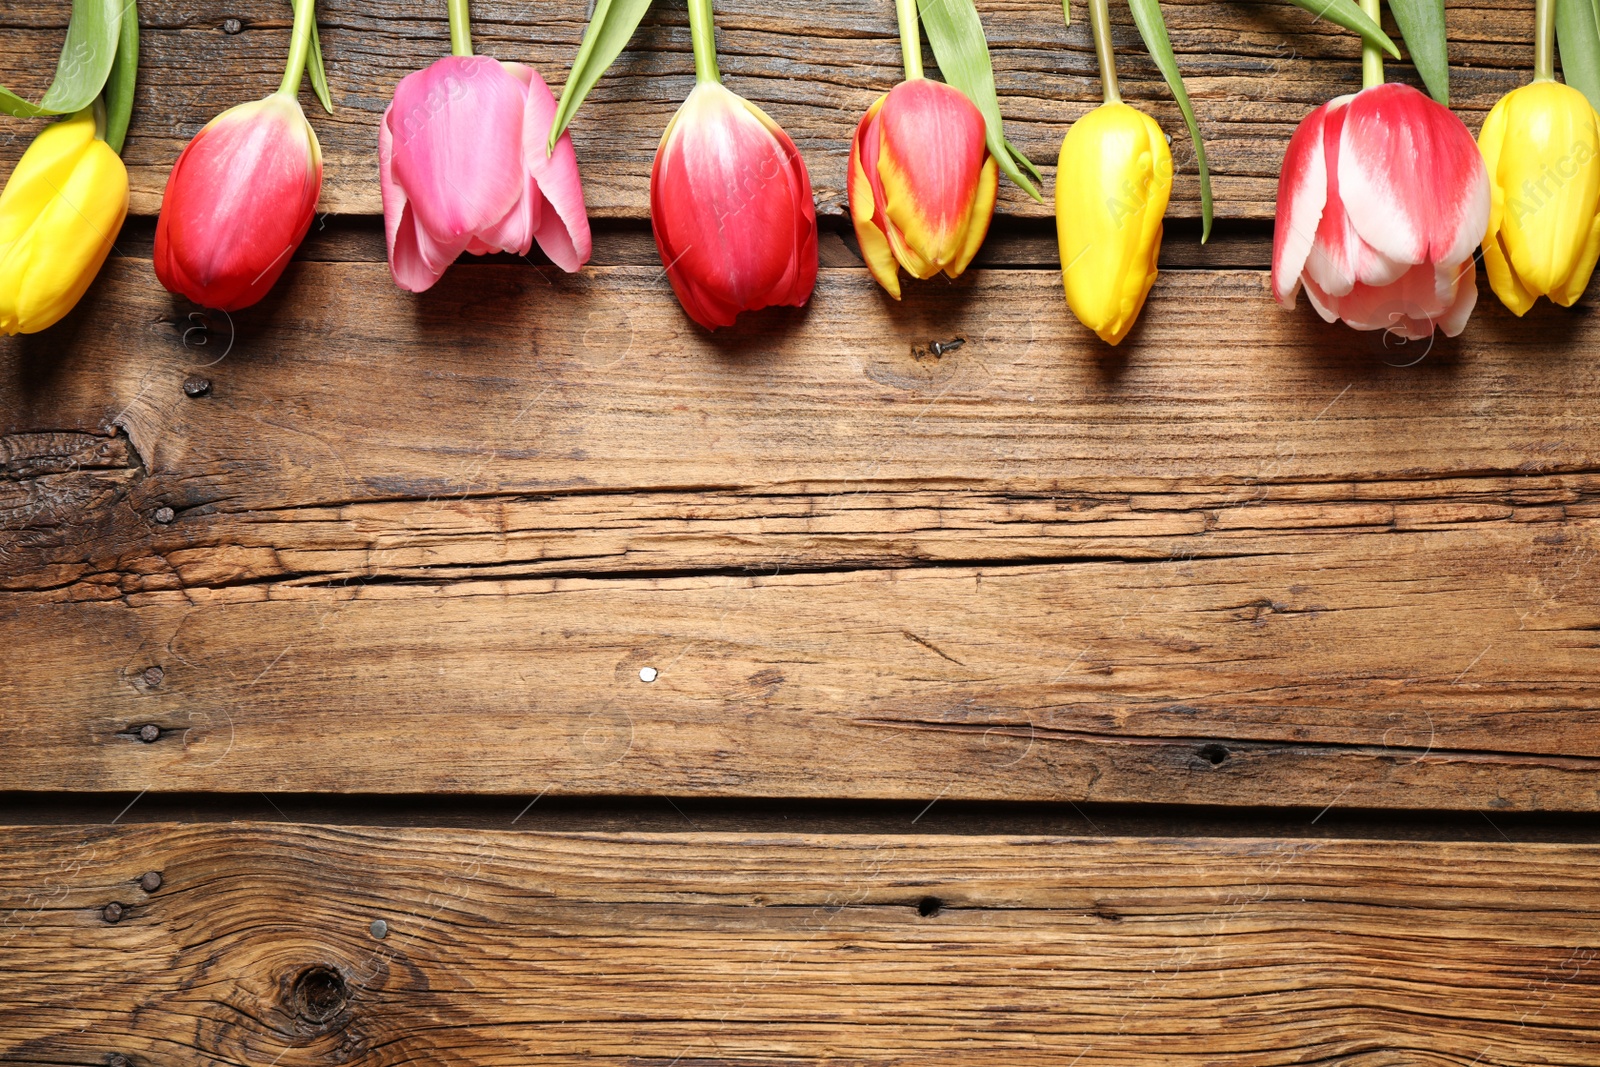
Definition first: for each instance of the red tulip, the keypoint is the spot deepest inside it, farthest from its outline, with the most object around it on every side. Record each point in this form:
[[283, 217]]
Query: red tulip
[[922, 182], [1382, 200], [730, 206], [238, 203]]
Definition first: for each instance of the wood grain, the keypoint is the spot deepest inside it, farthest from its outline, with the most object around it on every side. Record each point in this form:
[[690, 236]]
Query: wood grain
[[1254, 69], [716, 948], [1231, 567]]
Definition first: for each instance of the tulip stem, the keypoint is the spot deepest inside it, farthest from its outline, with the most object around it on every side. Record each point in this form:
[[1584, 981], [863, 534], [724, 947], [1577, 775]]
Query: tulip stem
[[703, 34], [1371, 57], [1544, 31], [910, 37], [460, 28], [305, 17], [1100, 25]]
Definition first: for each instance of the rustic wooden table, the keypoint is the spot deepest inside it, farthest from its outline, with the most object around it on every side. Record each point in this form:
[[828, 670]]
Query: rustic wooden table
[[1227, 698]]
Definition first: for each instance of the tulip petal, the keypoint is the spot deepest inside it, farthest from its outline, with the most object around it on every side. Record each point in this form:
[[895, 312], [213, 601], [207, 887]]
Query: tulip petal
[[866, 208], [931, 156], [1302, 193], [1340, 258], [978, 218], [1411, 177], [457, 144], [406, 265], [563, 234]]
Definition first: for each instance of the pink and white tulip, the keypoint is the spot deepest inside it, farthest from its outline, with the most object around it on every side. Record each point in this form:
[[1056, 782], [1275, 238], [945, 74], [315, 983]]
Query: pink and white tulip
[[462, 162], [1382, 201]]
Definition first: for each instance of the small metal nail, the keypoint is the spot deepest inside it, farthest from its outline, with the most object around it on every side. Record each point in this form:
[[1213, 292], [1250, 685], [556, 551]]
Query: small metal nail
[[149, 733], [379, 929], [153, 676], [112, 912], [231, 26], [164, 515], [118, 1060], [196, 386], [151, 881]]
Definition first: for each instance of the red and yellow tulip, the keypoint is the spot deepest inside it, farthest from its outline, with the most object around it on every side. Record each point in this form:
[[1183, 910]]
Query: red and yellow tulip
[[922, 182]]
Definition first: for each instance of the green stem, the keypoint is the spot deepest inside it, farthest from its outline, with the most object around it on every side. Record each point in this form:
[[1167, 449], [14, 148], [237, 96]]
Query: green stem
[[305, 15], [460, 28], [1544, 32], [910, 38], [1100, 25], [703, 33], [1371, 57]]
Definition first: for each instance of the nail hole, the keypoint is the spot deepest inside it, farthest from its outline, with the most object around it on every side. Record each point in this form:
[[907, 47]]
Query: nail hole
[[319, 994], [379, 929], [1213, 754], [928, 907], [648, 674]]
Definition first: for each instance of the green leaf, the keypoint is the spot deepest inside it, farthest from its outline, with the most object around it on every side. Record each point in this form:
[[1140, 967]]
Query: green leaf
[[1578, 38], [319, 75], [1153, 28], [120, 82], [958, 43], [1422, 26], [1345, 13], [608, 32], [85, 61]]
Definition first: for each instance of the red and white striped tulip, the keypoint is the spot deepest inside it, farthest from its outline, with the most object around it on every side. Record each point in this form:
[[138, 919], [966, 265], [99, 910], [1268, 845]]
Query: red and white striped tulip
[[238, 203], [463, 166], [731, 209], [1382, 200]]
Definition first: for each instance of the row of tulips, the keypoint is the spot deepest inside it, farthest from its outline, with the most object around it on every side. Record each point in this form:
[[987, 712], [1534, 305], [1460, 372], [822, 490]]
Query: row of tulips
[[1383, 200]]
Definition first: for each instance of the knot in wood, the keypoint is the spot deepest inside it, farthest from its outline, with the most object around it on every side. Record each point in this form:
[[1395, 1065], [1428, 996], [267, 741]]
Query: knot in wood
[[319, 995]]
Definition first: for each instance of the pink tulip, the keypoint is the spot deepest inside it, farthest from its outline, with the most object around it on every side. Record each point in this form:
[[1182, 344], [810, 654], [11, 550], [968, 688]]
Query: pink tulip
[[462, 162], [731, 209], [1383, 198], [238, 203]]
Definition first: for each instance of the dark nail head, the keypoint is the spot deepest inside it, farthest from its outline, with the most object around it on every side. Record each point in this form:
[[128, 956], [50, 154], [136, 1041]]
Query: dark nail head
[[379, 929], [196, 386], [164, 515], [153, 675], [149, 733], [118, 1060], [112, 912], [231, 26], [150, 882]]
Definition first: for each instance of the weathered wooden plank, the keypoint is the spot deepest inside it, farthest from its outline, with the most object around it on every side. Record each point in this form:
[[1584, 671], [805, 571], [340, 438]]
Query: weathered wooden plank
[[1254, 68], [257, 946], [1272, 565]]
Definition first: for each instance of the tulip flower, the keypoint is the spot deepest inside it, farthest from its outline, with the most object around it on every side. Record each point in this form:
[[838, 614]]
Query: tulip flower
[[61, 209], [730, 200], [1382, 199], [1541, 144], [242, 194], [464, 167], [1113, 179], [922, 180]]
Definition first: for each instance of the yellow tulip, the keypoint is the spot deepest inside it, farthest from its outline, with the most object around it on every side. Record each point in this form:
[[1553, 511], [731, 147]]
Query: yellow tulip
[[1541, 144], [59, 213], [1112, 184]]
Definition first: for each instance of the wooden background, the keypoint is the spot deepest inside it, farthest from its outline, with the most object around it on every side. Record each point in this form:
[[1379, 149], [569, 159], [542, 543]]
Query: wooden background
[[1229, 697]]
